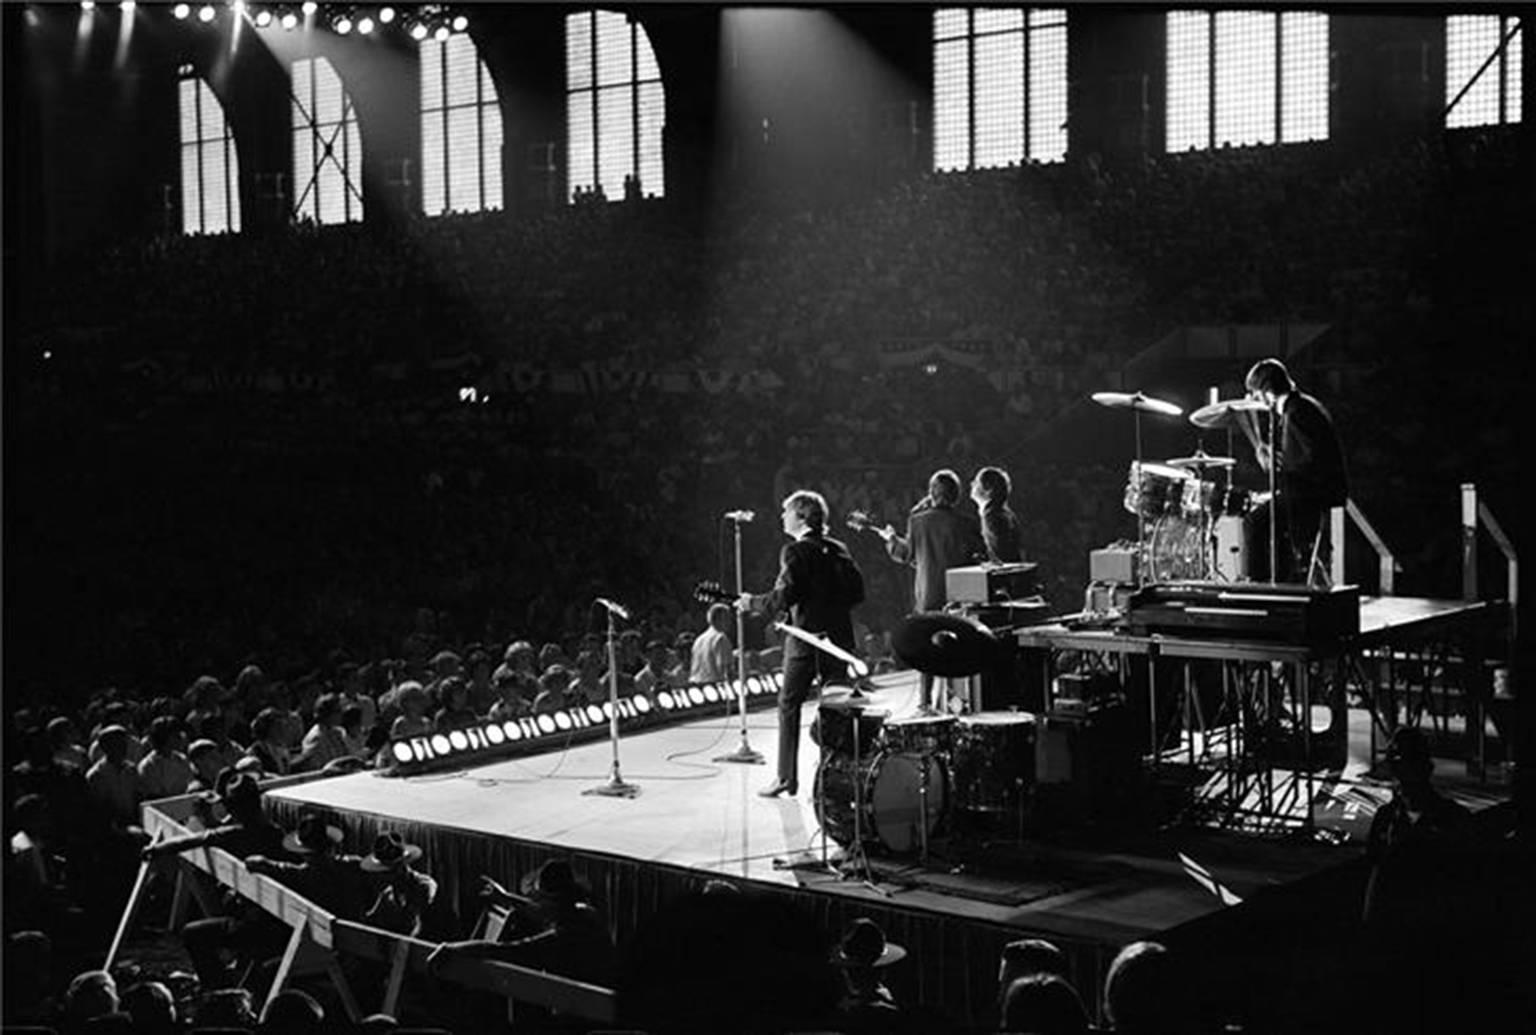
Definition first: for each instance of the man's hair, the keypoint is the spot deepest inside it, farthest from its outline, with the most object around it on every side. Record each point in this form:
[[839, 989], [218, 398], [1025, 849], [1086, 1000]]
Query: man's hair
[[162, 733], [1043, 1003], [1139, 991], [809, 506], [328, 709], [1269, 375], [718, 610], [994, 481], [944, 487]]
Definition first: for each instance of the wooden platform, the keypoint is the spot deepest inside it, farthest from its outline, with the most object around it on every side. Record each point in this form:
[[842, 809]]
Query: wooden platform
[[696, 819]]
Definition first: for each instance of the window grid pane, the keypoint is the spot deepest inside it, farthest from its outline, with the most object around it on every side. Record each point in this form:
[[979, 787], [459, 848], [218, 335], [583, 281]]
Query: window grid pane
[[1189, 95], [999, 96], [999, 99], [1048, 94], [626, 138], [1245, 78], [1303, 77], [327, 146], [1469, 40], [434, 167], [210, 171], [461, 134]]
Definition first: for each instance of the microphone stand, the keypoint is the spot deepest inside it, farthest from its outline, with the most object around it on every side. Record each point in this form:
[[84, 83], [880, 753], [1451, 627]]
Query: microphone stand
[[743, 752], [1274, 504], [615, 787]]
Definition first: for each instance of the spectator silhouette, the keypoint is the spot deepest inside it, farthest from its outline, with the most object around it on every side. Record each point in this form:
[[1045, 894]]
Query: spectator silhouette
[[1043, 1004]]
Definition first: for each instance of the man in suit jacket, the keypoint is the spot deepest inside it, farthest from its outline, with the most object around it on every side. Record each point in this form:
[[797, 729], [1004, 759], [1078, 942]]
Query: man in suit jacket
[[939, 537], [999, 524], [1310, 478], [819, 584]]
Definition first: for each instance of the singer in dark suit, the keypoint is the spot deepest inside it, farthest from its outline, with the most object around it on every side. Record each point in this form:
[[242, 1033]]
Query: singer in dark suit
[[999, 524], [819, 584], [1310, 478], [939, 537]]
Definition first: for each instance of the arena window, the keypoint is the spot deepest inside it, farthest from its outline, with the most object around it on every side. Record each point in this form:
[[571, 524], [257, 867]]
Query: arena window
[[327, 147], [461, 131], [999, 87], [210, 165], [615, 107], [1482, 82], [1246, 77]]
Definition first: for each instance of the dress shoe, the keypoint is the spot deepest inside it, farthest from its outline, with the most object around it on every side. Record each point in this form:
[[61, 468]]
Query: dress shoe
[[778, 787]]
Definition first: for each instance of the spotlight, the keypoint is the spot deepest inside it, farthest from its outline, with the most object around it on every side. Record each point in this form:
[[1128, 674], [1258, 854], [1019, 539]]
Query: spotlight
[[441, 33], [642, 703], [418, 31], [343, 25], [205, 13], [310, 7], [239, 6], [365, 26], [546, 724], [420, 750], [494, 735], [290, 21], [127, 6], [440, 744], [594, 713], [460, 23], [263, 18], [386, 15], [87, 5], [402, 751], [180, 12], [664, 699], [512, 730]]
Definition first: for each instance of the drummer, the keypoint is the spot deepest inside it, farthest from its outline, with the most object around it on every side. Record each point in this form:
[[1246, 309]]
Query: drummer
[[1310, 478]]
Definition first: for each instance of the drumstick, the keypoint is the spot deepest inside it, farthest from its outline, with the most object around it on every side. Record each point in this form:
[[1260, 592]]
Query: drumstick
[[822, 643]]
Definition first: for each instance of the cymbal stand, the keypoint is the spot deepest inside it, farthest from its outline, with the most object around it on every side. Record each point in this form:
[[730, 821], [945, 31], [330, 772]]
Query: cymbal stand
[[1274, 504], [744, 752], [1142, 558], [856, 861]]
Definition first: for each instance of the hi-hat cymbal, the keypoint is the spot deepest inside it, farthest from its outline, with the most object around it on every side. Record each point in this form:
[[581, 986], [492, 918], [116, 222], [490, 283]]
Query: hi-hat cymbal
[[945, 644], [1136, 401], [1217, 413], [1201, 460]]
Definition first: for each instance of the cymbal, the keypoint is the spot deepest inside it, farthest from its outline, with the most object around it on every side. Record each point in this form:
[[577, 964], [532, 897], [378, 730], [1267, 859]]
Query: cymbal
[[1201, 460], [944, 644], [842, 699], [1136, 401], [1216, 413]]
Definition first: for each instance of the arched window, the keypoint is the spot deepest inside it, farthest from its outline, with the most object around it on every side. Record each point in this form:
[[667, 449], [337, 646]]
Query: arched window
[[460, 129], [999, 86], [210, 166], [327, 148], [1482, 70], [615, 107], [1246, 77]]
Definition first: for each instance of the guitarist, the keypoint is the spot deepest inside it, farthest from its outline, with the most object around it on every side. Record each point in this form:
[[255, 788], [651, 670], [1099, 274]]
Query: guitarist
[[939, 537], [819, 584]]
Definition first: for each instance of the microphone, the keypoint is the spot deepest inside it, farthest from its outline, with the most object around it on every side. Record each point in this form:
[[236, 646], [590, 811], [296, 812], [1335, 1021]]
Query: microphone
[[616, 608], [740, 515]]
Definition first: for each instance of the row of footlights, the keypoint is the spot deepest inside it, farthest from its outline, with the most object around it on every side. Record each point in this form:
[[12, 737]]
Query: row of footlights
[[519, 735]]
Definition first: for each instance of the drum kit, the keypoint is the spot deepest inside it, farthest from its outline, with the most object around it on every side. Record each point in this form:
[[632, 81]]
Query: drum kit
[[1185, 506], [889, 784]]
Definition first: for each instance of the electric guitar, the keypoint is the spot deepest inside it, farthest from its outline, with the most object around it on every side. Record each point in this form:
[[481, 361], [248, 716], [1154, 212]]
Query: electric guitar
[[862, 521]]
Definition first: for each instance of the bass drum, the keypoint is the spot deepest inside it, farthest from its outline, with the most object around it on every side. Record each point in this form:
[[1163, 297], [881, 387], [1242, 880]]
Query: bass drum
[[887, 792]]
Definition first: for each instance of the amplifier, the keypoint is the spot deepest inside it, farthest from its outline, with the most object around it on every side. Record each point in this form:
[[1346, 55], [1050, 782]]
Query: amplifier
[[1113, 563], [1246, 610], [990, 583]]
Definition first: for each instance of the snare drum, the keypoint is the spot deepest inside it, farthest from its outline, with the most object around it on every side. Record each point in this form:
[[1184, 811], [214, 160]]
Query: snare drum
[[994, 760], [921, 734], [1233, 501], [887, 792], [1153, 490], [835, 722]]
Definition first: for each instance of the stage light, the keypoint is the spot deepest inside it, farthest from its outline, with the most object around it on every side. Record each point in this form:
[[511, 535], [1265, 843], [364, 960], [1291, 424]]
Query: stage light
[[263, 18], [458, 740], [127, 6], [476, 739], [494, 735], [440, 744], [386, 15], [205, 13], [365, 25], [421, 751], [594, 713], [180, 12], [87, 5], [402, 752], [460, 23], [642, 704], [343, 25], [665, 700], [564, 721], [696, 695], [712, 694], [441, 33], [290, 21], [239, 6], [418, 31], [546, 724], [626, 710]]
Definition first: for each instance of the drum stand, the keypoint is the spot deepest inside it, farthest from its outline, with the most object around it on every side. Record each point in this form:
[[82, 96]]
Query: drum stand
[[855, 864]]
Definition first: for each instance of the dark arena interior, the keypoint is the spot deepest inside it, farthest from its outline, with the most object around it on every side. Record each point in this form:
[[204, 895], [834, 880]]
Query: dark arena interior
[[683, 518]]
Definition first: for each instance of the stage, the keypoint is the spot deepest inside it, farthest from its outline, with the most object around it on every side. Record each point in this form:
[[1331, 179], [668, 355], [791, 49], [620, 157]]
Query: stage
[[1090, 889]]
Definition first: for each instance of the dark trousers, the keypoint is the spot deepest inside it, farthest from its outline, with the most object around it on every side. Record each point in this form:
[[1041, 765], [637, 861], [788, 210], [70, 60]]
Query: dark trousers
[[1295, 532], [801, 673]]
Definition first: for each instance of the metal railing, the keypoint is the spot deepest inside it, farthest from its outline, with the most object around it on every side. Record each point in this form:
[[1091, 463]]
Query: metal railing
[[1475, 512], [1386, 564]]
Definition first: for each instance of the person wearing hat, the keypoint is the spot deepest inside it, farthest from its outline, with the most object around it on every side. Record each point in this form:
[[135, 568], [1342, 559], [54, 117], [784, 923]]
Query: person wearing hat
[[404, 903], [570, 937], [326, 876], [863, 953]]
